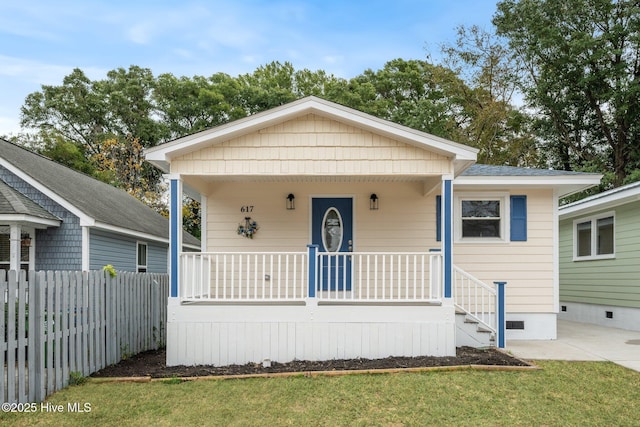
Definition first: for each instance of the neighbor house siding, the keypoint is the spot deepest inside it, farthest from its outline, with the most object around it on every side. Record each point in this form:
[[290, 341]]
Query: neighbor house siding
[[57, 248], [526, 266], [157, 257], [121, 252], [405, 220], [111, 249], [311, 145], [614, 282]]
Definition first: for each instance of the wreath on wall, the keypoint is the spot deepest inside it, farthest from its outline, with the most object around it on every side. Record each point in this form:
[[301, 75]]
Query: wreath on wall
[[248, 228]]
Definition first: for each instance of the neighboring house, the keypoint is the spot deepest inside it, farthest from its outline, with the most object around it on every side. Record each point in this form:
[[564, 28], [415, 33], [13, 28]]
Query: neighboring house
[[54, 218], [330, 233], [600, 259]]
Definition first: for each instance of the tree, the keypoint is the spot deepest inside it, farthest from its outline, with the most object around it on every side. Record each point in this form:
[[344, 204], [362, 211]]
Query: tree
[[501, 131], [582, 60], [187, 105], [414, 93], [74, 111]]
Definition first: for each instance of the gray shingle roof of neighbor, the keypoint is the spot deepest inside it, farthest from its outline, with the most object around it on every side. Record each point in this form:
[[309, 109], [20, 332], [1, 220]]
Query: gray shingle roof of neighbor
[[491, 170], [96, 199], [13, 202]]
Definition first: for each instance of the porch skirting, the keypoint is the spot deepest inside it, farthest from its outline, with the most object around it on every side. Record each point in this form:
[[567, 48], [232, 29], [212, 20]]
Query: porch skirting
[[237, 334]]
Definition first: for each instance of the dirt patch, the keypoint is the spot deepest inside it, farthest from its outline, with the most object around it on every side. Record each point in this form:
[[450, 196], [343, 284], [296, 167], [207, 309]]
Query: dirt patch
[[153, 364]]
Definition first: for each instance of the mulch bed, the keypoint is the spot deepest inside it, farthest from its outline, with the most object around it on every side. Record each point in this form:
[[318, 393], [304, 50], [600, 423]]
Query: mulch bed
[[153, 364]]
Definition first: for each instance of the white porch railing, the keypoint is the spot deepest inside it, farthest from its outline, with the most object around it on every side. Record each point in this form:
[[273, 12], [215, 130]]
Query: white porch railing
[[249, 277], [476, 298], [284, 276], [380, 277]]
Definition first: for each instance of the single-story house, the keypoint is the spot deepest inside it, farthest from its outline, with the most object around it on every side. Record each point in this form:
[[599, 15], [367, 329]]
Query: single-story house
[[329, 233], [600, 259], [55, 218]]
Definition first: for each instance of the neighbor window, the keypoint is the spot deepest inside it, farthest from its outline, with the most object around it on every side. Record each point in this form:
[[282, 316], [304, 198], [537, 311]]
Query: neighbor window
[[481, 217], [142, 258], [594, 237]]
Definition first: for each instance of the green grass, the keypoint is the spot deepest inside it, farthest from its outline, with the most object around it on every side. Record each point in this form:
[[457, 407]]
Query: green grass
[[561, 394]]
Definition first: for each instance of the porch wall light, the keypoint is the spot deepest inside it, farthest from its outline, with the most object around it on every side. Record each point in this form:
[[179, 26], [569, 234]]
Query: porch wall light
[[373, 202], [291, 204]]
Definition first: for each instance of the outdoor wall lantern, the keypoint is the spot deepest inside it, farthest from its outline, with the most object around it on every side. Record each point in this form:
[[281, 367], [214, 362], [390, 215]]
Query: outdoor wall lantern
[[291, 205], [373, 202]]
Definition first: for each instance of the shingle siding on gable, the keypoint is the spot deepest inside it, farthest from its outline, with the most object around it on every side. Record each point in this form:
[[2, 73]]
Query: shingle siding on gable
[[57, 248]]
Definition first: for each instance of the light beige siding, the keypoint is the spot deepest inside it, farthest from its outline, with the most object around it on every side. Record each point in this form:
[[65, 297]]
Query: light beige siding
[[405, 222], [311, 145], [527, 267]]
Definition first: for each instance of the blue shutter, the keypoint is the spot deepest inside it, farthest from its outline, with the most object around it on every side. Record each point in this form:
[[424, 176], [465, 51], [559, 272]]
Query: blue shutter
[[518, 218], [438, 218]]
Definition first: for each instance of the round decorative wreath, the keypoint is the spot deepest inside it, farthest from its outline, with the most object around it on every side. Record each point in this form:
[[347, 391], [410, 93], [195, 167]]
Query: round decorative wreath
[[248, 228]]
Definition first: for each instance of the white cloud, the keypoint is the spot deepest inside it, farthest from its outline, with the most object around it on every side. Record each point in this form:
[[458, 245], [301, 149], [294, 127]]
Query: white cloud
[[9, 126], [28, 70], [140, 33]]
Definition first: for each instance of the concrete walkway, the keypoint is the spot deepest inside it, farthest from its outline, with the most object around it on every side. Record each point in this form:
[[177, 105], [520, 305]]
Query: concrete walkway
[[583, 341]]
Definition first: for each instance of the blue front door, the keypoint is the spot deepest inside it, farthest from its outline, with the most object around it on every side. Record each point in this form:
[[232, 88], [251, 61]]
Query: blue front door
[[332, 231]]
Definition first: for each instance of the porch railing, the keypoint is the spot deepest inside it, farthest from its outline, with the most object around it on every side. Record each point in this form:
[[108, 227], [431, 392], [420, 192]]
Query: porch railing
[[283, 276], [250, 277], [379, 277], [476, 298]]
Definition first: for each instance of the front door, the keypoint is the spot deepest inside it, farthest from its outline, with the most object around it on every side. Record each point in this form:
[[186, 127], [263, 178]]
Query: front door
[[332, 231]]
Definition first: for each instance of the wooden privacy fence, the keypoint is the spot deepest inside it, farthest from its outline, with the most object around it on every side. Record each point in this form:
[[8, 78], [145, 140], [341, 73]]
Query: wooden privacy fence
[[58, 325]]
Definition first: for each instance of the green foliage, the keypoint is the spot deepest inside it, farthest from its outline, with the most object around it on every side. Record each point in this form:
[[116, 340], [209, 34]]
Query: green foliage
[[110, 270], [582, 59], [76, 378]]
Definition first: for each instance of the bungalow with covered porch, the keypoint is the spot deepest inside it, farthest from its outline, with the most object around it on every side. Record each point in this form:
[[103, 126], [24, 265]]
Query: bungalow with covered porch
[[328, 233]]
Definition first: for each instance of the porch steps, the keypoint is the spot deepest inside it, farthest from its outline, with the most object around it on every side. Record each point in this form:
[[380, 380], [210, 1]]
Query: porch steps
[[469, 333]]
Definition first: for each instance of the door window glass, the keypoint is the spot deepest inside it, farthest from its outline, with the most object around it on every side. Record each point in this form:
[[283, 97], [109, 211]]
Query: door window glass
[[332, 231]]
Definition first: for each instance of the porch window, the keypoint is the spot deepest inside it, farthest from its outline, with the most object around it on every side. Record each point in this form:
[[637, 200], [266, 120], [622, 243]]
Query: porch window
[[594, 237], [142, 257], [481, 217], [5, 249]]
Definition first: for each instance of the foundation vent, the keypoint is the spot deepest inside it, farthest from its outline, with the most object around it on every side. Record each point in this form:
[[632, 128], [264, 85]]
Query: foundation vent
[[515, 324]]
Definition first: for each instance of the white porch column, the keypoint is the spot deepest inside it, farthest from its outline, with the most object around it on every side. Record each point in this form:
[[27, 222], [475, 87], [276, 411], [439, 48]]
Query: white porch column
[[203, 223], [15, 247], [175, 233], [447, 234]]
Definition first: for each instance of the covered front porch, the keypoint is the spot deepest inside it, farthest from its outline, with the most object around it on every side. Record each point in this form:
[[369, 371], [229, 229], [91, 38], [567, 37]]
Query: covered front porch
[[262, 299]]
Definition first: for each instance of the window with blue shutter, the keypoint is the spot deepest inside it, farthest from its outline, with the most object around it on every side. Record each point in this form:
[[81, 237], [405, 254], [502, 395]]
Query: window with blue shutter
[[438, 218], [518, 218]]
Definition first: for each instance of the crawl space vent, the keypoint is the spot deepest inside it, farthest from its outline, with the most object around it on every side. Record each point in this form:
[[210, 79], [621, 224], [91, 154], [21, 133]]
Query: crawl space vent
[[515, 324]]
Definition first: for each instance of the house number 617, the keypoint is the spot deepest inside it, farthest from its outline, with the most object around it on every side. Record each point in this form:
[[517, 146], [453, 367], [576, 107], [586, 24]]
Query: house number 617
[[246, 209]]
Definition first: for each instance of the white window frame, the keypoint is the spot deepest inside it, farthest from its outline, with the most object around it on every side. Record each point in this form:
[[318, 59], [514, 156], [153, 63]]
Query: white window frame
[[505, 215], [594, 237], [139, 266]]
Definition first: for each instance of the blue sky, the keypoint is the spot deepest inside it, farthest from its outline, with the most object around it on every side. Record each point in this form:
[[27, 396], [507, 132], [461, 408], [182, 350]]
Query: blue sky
[[41, 41]]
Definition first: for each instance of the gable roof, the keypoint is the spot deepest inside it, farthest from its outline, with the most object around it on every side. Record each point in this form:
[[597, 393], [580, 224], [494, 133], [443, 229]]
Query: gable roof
[[96, 203], [14, 206], [463, 156], [605, 200]]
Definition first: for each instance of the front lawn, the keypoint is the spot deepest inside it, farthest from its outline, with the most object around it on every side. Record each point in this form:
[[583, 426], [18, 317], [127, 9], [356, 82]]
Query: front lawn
[[562, 394]]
